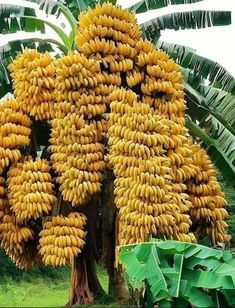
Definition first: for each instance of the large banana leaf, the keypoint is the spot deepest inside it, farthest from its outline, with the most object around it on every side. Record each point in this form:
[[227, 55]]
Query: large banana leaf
[[69, 8], [146, 5], [207, 69], [11, 19], [182, 273], [220, 148], [185, 20], [211, 112], [220, 102]]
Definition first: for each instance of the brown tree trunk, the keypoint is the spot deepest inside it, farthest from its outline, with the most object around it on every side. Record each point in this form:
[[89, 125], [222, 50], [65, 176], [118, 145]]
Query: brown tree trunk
[[79, 290], [101, 237], [117, 284], [85, 285]]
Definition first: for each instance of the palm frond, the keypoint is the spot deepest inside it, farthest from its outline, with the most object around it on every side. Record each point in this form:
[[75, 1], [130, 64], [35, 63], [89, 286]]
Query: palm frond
[[209, 70], [220, 148], [146, 5], [12, 19], [185, 20]]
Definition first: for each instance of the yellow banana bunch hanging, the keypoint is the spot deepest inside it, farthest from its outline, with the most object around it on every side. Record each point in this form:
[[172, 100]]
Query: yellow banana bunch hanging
[[77, 157], [33, 73], [109, 34], [108, 30], [161, 87], [76, 138], [18, 241], [30, 189], [80, 86], [62, 239], [137, 139], [208, 212], [14, 132]]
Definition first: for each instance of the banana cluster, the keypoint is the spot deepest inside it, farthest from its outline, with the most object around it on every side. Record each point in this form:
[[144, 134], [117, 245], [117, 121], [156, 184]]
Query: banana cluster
[[77, 157], [77, 130], [30, 189], [18, 241], [78, 82], [109, 34], [208, 212], [180, 155], [62, 239], [14, 132], [161, 85], [137, 140], [33, 73]]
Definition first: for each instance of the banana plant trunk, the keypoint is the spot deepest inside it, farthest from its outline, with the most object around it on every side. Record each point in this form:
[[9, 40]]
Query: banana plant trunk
[[100, 246], [85, 285]]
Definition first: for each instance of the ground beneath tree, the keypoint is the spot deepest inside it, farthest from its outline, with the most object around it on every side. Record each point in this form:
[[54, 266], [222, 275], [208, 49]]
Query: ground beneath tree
[[46, 292]]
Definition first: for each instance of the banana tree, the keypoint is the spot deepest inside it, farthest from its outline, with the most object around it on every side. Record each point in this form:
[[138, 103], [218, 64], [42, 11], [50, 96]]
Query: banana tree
[[37, 17]]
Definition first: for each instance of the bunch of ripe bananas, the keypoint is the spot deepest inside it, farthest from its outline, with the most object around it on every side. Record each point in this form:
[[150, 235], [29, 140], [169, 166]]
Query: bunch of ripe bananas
[[137, 139], [208, 212], [18, 241], [77, 156], [30, 189], [161, 87], [78, 82], [180, 155], [14, 132], [76, 137], [62, 239], [33, 73], [109, 34]]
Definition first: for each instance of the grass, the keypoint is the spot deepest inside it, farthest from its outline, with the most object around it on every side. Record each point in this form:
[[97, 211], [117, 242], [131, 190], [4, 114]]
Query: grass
[[38, 293], [45, 287]]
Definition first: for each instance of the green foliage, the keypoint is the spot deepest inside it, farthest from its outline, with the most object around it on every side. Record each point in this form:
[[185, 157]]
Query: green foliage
[[37, 293], [43, 287], [210, 90], [219, 150], [181, 274], [146, 5], [230, 197], [184, 20], [208, 70], [8, 271]]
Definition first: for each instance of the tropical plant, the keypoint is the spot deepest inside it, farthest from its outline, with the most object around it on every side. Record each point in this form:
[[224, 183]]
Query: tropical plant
[[81, 86], [174, 274]]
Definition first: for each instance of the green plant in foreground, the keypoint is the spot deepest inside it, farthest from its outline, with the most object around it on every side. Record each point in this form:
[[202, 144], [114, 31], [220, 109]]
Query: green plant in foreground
[[181, 274]]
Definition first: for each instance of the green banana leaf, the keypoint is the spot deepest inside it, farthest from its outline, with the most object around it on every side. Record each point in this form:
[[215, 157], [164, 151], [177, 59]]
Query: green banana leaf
[[207, 69], [185, 20], [146, 5], [12, 19], [181, 273]]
